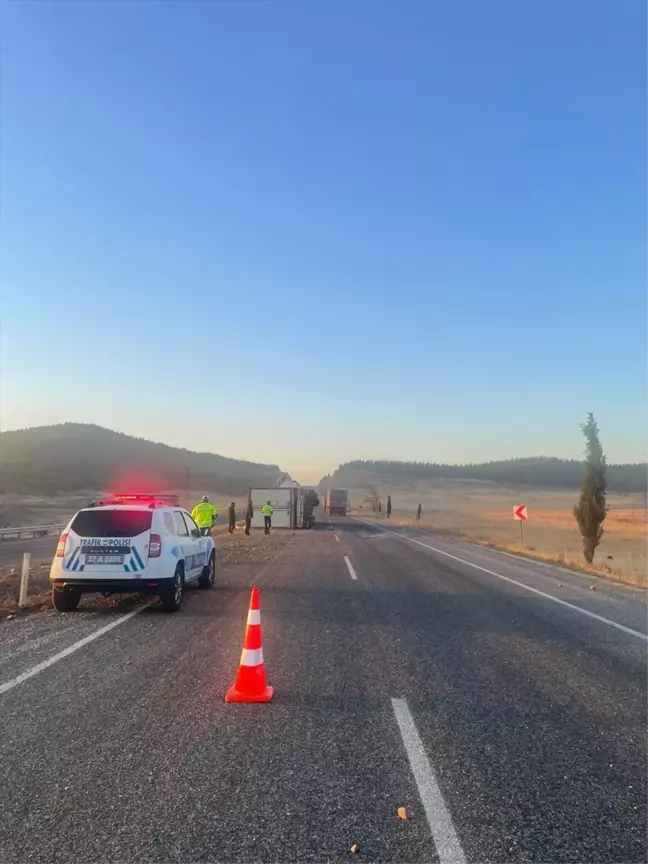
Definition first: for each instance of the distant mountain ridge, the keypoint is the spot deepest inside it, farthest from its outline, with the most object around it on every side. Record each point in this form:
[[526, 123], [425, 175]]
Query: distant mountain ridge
[[539, 471], [68, 457]]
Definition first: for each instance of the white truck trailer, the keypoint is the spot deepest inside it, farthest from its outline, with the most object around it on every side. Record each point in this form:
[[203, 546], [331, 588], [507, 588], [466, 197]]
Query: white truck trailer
[[288, 500]]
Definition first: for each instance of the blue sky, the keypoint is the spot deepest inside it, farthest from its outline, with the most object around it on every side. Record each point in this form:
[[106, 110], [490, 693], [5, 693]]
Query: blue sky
[[309, 232]]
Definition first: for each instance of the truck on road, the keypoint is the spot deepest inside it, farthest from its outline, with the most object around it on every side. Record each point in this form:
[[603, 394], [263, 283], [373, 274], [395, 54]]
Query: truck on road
[[336, 502], [293, 504]]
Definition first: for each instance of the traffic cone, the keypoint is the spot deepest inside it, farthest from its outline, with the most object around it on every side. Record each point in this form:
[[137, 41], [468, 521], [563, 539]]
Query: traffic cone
[[250, 684]]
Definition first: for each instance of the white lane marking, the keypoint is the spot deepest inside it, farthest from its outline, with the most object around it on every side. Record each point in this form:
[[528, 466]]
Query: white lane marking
[[33, 645], [443, 832], [521, 560], [560, 602], [337, 539], [40, 667], [352, 572]]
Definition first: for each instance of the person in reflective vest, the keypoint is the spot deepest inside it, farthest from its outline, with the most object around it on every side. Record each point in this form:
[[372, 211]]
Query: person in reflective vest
[[267, 511], [203, 515]]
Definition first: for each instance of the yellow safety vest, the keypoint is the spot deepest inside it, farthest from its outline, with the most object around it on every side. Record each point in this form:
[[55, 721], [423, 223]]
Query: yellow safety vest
[[267, 510], [203, 514]]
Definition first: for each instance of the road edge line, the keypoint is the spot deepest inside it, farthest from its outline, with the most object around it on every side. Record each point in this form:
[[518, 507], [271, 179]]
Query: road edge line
[[537, 591], [45, 664], [443, 832]]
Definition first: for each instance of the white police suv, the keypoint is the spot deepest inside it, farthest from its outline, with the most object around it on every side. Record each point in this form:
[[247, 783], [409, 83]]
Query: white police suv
[[131, 544]]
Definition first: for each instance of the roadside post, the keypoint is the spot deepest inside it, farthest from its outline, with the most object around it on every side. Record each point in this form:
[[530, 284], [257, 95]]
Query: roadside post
[[24, 579], [521, 514]]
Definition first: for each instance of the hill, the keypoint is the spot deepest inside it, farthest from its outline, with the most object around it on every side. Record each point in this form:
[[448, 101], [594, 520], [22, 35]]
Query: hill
[[76, 456], [541, 471]]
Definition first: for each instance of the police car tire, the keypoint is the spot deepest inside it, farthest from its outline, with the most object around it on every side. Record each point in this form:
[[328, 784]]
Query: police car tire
[[171, 597], [65, 599], [206, 579]]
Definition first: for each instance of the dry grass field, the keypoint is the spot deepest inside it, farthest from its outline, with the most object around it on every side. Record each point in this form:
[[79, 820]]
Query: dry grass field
[[484, 512], [35, 510]]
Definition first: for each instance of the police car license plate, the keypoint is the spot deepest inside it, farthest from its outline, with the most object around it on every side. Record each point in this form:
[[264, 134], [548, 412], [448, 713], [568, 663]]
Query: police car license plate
[[104, 559]]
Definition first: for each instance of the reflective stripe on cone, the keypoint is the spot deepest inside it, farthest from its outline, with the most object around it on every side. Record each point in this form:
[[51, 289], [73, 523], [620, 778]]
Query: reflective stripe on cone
[[252, 657]]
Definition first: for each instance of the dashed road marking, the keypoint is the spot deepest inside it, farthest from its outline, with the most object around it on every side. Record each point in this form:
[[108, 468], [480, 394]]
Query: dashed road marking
[[40, 667], [537, 591], [337, 539], [352, 572], [443, 832]]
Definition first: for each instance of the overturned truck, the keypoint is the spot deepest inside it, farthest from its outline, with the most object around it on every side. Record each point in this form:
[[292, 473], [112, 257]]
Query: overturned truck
[[293, 505]]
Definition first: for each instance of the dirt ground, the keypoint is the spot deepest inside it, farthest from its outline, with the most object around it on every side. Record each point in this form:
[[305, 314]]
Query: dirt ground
[[38, 595], [232, 551], [484, 512], [256, 549]]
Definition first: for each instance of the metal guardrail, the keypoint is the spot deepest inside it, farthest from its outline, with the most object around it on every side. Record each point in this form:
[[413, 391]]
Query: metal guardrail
[[12, 533]]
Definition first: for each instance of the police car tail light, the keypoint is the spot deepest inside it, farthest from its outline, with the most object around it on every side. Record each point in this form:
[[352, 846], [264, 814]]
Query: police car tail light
[[155, 546], [60, 549]]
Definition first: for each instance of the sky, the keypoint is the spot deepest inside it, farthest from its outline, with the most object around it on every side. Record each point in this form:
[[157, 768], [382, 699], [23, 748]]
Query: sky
[[304, 233]]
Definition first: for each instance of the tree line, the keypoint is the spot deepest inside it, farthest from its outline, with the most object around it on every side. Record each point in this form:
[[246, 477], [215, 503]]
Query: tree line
[[540, 471]]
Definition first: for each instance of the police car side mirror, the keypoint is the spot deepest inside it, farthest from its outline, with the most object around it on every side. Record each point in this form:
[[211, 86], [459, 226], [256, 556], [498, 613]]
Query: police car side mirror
[[195, 532]]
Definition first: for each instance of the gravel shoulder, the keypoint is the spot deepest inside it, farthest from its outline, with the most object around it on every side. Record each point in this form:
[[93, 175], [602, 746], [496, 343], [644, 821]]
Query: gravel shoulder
[[233, 550]]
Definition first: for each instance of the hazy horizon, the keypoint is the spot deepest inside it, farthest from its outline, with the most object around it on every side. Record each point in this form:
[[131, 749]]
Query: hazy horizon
[[308, 474], [308, 234]]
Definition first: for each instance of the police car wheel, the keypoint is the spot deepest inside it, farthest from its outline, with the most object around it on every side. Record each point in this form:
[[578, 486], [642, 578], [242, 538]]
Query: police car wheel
[[206, 579], [65, 599], [171, 596]]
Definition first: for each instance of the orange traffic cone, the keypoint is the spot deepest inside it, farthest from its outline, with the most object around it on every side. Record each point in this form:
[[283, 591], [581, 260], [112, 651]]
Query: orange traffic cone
[[250, 684]]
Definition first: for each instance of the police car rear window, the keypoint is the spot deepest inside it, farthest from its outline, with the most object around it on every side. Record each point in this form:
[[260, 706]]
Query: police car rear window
[[111, 523]]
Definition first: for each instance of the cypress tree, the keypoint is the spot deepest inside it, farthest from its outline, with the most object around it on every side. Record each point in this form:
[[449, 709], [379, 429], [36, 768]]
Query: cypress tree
[[591, 510]]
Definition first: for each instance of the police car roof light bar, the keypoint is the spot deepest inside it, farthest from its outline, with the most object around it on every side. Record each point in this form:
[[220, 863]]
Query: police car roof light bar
[[152, 500]]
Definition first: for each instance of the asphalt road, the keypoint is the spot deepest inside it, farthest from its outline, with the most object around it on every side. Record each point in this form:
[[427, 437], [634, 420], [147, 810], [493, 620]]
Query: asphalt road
[[11, 551], [446, 680]]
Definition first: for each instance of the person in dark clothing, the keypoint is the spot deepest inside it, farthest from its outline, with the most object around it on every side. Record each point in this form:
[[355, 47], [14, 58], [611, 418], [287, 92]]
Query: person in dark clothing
[[389, 506], [249, 514], [232, 517], [418, 513]]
